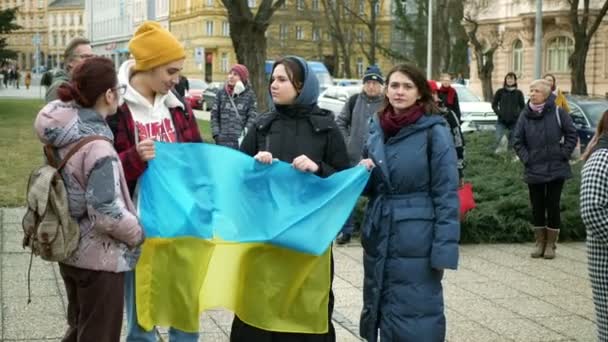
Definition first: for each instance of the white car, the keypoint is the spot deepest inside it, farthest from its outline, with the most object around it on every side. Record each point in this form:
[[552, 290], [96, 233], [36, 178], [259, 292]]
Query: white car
[[477, 115], [334, 98]]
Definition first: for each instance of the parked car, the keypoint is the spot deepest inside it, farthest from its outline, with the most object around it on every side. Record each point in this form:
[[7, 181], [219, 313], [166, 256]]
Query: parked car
[[586, 112], [334, 97], [210, 92], [477, 115], [347, 82], [194, 96]]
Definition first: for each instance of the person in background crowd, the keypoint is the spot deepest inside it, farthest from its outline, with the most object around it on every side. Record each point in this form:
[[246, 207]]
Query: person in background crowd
[[353, 122], [449, 96], [182, 86], [78, 50], [150, 112], [28, 80], [543, 139], [558, 96], [297, 131], [98, 201], [454, 125], [508, 103], [412, 226], [594, 212], [234, 110]]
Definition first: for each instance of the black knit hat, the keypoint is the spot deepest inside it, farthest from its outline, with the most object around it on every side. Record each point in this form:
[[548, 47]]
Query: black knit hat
[[373, 73]]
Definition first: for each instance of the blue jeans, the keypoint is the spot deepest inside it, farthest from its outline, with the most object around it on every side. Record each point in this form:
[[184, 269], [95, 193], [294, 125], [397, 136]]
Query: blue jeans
[[134, 332], [502, 129]]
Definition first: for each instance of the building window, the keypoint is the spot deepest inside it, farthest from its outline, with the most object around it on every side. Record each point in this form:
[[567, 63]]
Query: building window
[[559, 50], [360, 35], [224, 62], [252, 3], [226, 29], [316, 34], [210, 3], [283, 32], [284, 5], [54, 39], [377, 7], [299, 33], [209, 25], [63, 43], [315, 5], [361, 7], [80, 19], [360, 67], [300, 5], [518, 57]]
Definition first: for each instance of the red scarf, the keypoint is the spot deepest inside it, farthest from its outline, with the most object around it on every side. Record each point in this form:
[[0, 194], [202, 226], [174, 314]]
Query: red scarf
[[392, 123], [451, 92]]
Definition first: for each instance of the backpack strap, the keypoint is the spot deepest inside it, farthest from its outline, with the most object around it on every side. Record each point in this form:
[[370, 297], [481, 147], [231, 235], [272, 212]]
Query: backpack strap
[[48, 150], [352, 102]]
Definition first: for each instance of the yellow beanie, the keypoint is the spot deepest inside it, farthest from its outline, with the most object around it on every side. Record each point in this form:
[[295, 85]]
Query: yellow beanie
[[152, 45]]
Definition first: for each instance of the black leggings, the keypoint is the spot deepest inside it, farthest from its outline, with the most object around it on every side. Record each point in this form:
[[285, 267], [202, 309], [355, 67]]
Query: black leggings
[[545, 198]]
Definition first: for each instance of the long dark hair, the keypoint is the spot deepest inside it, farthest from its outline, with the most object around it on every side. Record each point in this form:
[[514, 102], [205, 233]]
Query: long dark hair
[[417, 76], [602, 128], [512, 74], [90, 79]]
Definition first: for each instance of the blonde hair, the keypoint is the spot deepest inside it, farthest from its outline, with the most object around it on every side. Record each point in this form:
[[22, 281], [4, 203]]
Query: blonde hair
[[542, 85], [602, 126]]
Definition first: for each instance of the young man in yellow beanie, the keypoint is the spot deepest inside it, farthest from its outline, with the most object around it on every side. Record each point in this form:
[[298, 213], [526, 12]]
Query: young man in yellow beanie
[[150, 112]]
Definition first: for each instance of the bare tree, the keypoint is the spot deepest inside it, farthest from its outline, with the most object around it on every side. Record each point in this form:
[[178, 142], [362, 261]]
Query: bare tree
[[584, 26], [247, 31], [369, 19], [341, 36], [484, 48]]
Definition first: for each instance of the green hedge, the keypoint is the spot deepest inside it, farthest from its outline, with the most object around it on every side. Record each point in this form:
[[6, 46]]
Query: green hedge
[[503, 210]]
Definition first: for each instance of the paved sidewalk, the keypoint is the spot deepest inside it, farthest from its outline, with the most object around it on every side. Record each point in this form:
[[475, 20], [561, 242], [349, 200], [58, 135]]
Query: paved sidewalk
[[498, 294]]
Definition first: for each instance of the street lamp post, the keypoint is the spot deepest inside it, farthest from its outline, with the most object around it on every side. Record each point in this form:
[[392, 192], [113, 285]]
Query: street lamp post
[[429, 43], [538, 39]]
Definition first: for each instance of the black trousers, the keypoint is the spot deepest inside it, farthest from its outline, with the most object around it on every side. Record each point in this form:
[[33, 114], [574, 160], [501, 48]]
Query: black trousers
[[545, 199], [95, 304]]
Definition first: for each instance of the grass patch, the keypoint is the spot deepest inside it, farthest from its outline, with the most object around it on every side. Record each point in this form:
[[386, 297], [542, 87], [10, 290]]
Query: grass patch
[[22, 151]]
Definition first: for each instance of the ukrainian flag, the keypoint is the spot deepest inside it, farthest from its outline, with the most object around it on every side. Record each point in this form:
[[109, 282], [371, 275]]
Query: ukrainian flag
[[225, 231]]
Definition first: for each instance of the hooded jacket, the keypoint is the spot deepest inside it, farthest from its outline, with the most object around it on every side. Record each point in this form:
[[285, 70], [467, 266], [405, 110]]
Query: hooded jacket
[[97, 190]]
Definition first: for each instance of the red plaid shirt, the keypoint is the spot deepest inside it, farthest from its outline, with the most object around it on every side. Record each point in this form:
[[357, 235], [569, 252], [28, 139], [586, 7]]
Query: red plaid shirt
[[123, 127]]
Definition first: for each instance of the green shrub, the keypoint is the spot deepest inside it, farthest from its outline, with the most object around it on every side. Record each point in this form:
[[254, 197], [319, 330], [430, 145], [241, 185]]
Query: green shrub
[[503, 207]]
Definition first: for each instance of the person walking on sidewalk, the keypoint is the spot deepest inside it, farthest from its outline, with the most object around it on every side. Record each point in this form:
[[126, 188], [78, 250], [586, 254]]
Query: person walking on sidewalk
[[78, 50], [508, 103], [353, 122], [150, 112], [543, 139], [594, 212], [99, 202], [28, 80], [17, 77], [411, 228], [234, 110], [297, 131]]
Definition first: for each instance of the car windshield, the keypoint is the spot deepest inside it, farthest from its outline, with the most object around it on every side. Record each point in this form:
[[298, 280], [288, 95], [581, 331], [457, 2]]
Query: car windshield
[[196, 84], [465, 95], [594, 110]]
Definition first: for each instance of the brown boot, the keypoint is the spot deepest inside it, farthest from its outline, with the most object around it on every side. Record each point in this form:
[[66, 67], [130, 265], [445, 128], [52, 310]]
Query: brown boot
[[540, 235], [552, 235]]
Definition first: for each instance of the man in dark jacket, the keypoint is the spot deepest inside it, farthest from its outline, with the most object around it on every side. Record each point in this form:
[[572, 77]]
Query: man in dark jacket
[[77, 50], [353, 122], [508, 103]]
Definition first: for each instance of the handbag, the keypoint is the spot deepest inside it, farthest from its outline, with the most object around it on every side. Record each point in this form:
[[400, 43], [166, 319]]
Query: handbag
[[467, 200]]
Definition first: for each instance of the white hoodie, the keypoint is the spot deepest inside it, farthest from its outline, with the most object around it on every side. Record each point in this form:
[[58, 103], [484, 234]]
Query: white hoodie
[[151, 121]]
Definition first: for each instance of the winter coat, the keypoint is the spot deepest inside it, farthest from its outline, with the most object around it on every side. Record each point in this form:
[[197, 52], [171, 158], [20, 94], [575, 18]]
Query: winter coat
[[410, 232], [507, 105], [354, 124], [454, 126], [98, 196], [60, 77], [226, 126], [537, 142]]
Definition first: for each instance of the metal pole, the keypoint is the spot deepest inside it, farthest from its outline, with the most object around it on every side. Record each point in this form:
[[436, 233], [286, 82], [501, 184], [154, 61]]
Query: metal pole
[[538, 39], [429, 43]]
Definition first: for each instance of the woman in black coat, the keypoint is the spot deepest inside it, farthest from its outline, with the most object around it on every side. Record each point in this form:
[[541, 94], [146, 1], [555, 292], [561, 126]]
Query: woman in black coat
[[300, 133], [544, 138], [508, 103]]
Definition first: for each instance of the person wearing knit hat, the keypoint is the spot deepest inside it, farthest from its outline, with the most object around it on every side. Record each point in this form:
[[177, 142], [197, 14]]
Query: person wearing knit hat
[[234, 110], [353, 122], [151, 110]]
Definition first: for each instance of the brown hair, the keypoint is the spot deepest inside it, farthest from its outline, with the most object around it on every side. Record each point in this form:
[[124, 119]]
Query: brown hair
[[68, 54], [417, 76], [294, 72], [90, 79], [602, 128]]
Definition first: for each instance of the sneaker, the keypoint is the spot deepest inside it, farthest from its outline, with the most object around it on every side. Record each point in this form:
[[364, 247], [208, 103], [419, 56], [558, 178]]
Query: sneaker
[[343, 239]]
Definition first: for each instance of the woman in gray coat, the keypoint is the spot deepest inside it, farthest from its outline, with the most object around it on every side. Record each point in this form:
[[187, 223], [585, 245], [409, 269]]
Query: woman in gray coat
[[544, 138]]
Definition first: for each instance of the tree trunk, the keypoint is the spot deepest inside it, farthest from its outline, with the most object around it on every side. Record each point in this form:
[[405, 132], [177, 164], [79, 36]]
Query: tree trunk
[[577, 62], [250, 46], [373, 25], [485, 67]]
